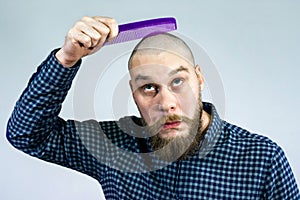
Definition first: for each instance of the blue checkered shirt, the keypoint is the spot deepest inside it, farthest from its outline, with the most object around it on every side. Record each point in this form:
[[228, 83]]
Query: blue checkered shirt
[[231, 163]]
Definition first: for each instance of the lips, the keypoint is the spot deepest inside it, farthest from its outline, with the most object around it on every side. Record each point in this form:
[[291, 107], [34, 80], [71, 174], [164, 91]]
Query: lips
[[170, 125]]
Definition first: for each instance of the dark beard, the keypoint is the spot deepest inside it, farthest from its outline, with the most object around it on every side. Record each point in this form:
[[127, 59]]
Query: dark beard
[[179, 147]]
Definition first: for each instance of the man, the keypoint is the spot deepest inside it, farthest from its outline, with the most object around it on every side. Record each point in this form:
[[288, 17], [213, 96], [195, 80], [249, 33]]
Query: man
[[178, 149]]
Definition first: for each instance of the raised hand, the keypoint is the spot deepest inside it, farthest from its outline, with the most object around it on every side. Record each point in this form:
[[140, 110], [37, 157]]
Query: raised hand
[[86, 37]]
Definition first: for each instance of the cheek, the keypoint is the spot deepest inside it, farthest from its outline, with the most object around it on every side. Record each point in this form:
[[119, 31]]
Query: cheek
[[189, 102], [144, 108], [188, 105]]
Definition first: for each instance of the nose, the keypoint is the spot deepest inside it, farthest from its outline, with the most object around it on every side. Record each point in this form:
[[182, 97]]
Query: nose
[[167, 100]]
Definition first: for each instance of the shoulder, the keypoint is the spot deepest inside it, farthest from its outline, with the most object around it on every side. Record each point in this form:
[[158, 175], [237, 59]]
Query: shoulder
[[239, 134], [261, 158], [244, 140]]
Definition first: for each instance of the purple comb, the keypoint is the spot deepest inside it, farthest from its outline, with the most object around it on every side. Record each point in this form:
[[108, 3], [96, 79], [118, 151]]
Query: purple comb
[[140, 29]]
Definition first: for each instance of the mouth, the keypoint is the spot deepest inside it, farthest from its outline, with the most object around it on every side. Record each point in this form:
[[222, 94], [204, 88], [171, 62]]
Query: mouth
[[171, 125]]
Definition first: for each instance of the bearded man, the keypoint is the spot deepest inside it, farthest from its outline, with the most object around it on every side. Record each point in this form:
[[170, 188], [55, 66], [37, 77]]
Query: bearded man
[[178, 148]]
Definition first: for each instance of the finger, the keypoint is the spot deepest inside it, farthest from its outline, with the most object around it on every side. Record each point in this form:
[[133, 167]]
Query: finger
[[87, 28], [80, 38], [111, 24], [98, 26]]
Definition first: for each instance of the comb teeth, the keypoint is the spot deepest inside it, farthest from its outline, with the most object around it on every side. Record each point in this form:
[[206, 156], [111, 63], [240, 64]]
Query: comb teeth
[[141, 29]]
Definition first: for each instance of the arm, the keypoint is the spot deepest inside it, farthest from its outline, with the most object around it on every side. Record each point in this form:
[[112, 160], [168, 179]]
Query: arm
[[34, 126]]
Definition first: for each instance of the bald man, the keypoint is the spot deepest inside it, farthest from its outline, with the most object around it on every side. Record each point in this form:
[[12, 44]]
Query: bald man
[[178, 148]]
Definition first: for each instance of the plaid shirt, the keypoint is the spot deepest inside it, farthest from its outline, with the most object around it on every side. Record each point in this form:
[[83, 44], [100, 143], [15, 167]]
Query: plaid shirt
[[231, 163]]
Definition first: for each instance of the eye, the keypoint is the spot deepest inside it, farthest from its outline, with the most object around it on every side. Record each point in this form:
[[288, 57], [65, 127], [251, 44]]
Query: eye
[[150, 89], [177, 82]]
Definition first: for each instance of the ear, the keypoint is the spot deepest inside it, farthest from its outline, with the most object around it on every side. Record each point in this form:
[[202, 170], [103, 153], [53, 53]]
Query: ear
[[131, 87], [132, 91], [130, 84], [199, 76]]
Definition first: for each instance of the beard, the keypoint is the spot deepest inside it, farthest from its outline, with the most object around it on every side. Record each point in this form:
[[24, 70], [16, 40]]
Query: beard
[[182, 146]]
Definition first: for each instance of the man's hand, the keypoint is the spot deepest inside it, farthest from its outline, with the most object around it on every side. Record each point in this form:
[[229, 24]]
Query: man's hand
[[86, 37]]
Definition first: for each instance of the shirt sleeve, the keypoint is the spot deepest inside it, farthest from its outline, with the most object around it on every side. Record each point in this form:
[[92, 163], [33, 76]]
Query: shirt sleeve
[[281, 183], [35, 127]]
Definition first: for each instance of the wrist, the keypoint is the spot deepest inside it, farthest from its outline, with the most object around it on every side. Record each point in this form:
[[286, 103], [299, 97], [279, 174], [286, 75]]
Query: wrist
[[64, 59]]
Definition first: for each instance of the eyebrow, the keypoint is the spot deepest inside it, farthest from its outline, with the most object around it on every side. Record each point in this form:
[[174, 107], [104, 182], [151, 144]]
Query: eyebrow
[[179, 69], [142, 77], [171, 73]]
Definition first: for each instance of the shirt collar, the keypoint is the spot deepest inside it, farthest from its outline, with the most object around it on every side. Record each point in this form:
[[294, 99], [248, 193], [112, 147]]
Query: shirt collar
[[213, 132]]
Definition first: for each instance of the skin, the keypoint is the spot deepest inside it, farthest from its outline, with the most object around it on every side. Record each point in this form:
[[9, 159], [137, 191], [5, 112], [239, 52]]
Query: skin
[[164, 84], [177, 82], [86, 37]]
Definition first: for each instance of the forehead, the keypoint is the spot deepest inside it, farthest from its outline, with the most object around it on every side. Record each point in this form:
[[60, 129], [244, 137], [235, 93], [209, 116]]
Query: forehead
[[157, 63]]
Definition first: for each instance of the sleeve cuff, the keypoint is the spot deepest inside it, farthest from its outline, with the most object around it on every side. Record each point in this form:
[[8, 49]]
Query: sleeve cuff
[[58, 75]]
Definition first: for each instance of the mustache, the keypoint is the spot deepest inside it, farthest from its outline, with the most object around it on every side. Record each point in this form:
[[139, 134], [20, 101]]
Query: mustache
[[169, 118], [154, 128]]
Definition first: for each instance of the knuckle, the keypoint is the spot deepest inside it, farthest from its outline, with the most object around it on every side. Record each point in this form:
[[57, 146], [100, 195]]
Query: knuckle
[[79, 24], [86, 39], [71, 33], [85, 18], [97, 36], [106, 31], [112, 21]]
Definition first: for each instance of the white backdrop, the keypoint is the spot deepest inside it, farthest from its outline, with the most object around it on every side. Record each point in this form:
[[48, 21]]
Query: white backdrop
[[254, 45]]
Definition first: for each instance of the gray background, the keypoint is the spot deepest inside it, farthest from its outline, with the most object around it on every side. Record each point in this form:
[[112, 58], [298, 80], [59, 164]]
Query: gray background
[[254, 45]]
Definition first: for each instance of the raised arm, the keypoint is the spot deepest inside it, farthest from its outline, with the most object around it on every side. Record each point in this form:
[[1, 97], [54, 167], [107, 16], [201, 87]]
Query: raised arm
[[34, 126]]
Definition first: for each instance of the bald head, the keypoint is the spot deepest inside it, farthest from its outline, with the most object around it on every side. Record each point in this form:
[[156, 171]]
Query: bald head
[[160, 43]]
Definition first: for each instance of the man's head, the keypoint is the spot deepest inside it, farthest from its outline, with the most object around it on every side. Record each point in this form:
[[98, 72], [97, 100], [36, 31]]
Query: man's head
[[166, 86]]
